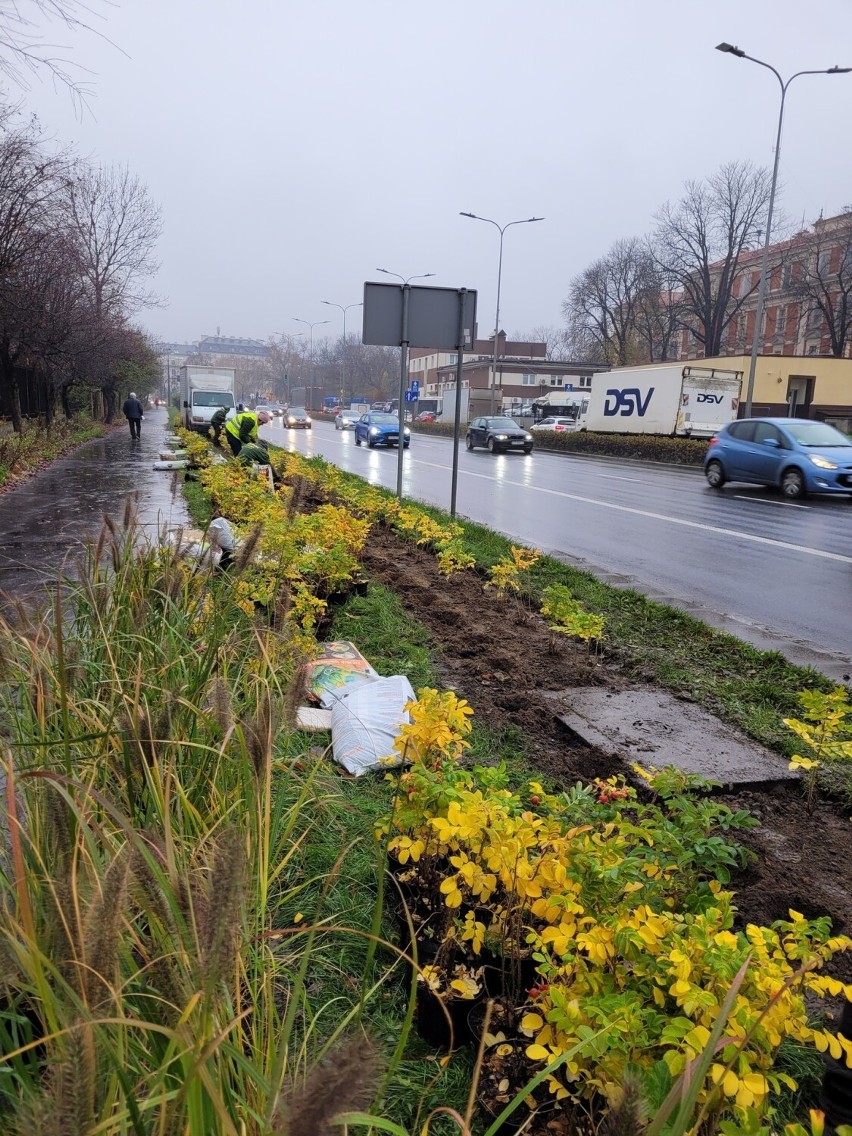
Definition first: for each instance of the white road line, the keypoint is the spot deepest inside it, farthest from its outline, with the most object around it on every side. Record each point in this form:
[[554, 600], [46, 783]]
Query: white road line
[[767, 501], [819, 552], [615, 477]]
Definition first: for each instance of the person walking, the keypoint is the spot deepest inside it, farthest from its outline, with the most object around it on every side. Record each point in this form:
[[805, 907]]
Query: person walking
[[242, 428], [132, 411]]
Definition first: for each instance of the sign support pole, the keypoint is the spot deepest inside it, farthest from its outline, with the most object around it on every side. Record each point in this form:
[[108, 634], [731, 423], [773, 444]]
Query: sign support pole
[[403, 383], [460, 343]]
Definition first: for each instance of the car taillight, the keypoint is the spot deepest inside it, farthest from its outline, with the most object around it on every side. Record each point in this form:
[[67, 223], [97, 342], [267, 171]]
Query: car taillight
[[714, 440], [560, 427]]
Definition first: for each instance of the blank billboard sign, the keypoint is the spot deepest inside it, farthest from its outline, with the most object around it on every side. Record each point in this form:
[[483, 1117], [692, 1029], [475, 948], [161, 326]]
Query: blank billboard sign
[[433, 316]]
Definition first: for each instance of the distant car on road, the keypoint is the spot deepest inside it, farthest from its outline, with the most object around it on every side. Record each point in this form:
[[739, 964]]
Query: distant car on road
[[346, 420], [378, 428], [425, 416], [499, 435], [553, 425], [297, 418], [796, 455]]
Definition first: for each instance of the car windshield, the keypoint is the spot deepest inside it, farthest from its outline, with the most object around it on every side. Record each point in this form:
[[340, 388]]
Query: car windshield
[[502, 424], [816, 434], [297, 412], [384, 420]]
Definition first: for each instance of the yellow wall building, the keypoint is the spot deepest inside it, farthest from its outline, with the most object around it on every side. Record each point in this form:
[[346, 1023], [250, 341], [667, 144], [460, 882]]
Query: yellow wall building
[[802, 386]]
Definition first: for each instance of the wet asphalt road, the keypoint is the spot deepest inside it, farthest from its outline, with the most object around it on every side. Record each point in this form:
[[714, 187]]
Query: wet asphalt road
[[774, 573], [45, 521]]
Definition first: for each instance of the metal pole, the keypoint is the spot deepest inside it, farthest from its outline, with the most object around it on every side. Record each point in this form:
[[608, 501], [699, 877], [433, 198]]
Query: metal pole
[[343, 365], [764, 262], [497, 319], [457, 413], [403, 383], [501, 229], [730, 49]]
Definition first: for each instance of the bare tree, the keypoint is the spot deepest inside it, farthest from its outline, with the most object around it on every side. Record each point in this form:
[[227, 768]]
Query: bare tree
[[604, 299], [555, 340], [701, 241], [117, 225], [24, 50], [31, 182], [824, 285], [659, 314]]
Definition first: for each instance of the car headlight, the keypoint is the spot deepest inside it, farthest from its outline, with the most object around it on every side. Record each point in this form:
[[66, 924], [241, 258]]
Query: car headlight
[[501, 437], [375, 430], [291, 421], [406, 431], [529, 437], [821, 462], [307, 418]]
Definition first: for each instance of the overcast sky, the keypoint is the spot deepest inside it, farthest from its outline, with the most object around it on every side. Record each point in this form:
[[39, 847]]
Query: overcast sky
[[297, 145]]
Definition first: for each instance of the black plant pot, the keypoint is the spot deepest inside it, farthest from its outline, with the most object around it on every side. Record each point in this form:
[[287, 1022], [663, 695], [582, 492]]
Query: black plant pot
[[431, 1019]]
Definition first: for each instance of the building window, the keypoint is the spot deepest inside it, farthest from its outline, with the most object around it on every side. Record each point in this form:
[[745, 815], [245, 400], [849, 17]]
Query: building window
[[454, 359], [529, 380], [780, 320]]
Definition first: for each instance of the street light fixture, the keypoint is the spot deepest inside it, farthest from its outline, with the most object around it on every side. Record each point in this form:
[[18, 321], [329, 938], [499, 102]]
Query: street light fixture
[[403, 366], [502, 229], [730, 49], [343, 357], [316, 323]]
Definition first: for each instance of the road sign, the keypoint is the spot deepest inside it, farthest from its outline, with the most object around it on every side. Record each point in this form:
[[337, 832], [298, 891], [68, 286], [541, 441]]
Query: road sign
[[414, 386], [411, 396]]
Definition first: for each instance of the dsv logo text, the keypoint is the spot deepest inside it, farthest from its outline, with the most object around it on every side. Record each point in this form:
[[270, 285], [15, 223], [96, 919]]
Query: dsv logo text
[[717, 398], [626, 402]]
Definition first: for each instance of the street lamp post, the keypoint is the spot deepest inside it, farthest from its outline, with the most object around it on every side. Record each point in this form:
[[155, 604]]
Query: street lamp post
[[403, 365], [343, 358], [316, 323], [501, 229], [730, 49]]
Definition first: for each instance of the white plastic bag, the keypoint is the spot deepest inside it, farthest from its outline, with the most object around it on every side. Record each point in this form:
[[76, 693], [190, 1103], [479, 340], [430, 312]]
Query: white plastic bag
[[220, 533], [365, 723]]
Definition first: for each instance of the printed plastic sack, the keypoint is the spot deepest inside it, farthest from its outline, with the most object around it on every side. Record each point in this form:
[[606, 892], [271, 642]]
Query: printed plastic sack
[[366, 722], [219, 532]]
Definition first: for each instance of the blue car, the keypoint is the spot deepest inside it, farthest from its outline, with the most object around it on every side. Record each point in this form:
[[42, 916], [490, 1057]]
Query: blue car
[[796, 455], [378, 428]]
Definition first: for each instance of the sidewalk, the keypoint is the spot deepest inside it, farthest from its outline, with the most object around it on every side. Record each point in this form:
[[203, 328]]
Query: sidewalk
[[45, 521]]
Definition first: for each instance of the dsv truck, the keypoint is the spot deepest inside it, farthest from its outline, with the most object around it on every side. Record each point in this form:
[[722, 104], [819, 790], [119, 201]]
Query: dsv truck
[[202, 391], [663, 398]]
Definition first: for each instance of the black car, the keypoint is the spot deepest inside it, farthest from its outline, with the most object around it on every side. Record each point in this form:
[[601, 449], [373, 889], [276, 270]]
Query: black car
[[499, 435]]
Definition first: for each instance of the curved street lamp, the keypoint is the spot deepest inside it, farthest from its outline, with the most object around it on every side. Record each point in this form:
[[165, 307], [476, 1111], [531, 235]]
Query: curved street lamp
[[730, 49], [345, 309], [501, 229], [316, 323]]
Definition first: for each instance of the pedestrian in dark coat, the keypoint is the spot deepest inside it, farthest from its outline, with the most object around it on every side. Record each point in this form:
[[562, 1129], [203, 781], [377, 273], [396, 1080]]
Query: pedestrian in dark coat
[[132, 411]]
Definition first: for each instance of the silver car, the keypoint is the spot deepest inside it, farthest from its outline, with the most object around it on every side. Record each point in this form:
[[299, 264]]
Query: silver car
[[346, 420]]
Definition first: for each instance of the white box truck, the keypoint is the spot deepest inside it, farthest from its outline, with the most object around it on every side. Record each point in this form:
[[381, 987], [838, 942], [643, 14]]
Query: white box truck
[[663, 398], [202, 391]]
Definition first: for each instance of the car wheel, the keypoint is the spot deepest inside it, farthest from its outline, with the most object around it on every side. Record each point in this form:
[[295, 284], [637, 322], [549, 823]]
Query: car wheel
[[371, 445], [792, 484], [493, 447], [468, 442], [715, 475], [527, 449], [357, 440]]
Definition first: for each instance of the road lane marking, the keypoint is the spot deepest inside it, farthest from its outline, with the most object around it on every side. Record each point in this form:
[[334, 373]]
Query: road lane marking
[[790, 547], [616, 477], [767, 501], [737, 533]]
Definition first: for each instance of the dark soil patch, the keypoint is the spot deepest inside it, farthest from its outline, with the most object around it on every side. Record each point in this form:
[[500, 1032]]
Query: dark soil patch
[[502, 657]]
